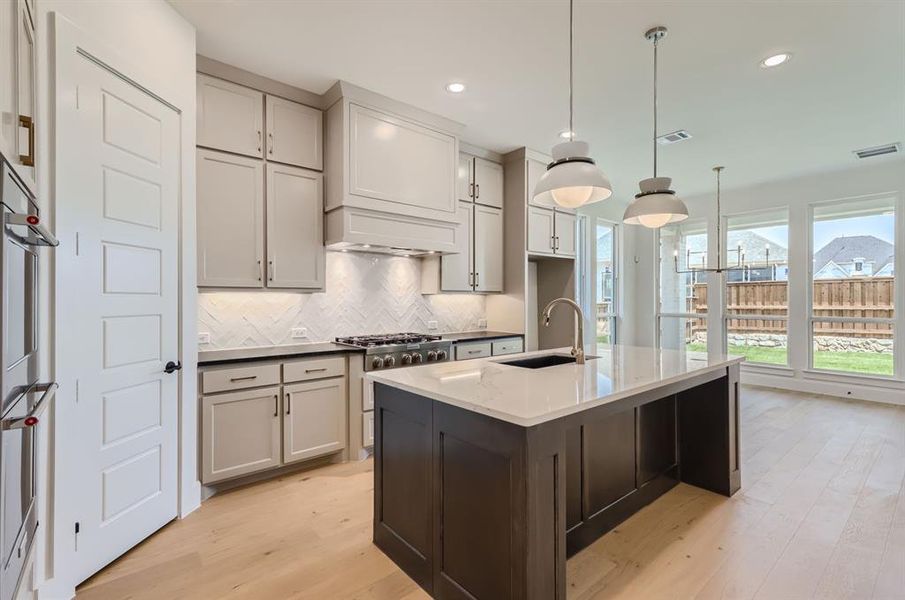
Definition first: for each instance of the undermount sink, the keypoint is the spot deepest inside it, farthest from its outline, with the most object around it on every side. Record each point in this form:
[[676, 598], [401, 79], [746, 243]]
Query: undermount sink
[[540, 362]]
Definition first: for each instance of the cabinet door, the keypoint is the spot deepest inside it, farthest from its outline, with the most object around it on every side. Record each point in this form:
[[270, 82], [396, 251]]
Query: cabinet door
[[295, 228], [536, 170], [314, 418], [295, 134], [240, 433], [488, 249], [230, 196], [9, 112], [540, 230], [401, 163], [464, 178], [564, 228], [456, 270], [488, 178], [230, 117], [26, 63]]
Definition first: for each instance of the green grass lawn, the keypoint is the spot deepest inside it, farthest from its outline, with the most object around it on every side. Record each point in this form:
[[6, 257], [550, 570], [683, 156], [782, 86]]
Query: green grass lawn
[[852, 362]]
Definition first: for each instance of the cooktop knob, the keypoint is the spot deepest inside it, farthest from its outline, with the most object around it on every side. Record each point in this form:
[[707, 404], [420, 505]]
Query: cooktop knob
[[441, 355], [406, 359], [389, 361], [377, 362], [432, 355], [417, 358]]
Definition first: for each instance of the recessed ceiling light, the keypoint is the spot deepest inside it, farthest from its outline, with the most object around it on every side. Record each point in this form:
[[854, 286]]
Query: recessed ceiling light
[[455, 87], [366, 246], [567, 135], [775, 60]]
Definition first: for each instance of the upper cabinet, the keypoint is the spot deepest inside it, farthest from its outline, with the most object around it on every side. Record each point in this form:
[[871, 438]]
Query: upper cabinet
[[488, 249], [294, 134], [295, 235], [479, 180], [551, 232], [231, 117], [18, 98], [392, 174]]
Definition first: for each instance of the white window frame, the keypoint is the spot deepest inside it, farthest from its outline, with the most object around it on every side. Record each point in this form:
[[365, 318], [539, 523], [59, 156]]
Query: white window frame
[[724, 283], [657, 289], [613, 315], [899, 316], [586, 275]]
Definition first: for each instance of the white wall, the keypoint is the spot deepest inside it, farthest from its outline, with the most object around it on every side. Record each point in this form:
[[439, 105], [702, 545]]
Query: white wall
[[879, 175], [160, 46], [366, 293]]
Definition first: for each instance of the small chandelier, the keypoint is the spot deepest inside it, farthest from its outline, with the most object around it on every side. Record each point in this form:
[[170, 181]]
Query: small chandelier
[[740, 264], [655, 205], [572, 179]]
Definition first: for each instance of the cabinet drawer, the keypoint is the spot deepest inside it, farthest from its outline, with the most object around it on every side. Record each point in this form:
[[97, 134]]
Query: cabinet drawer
[[367, 429], [473, 350], [315, 368], [509, 346], [239, 378]]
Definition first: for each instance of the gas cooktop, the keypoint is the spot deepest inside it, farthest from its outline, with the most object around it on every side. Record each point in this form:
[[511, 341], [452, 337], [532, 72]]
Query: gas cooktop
[[399, 349]]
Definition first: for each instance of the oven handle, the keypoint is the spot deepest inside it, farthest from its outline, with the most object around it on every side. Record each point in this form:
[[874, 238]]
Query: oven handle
[[45, 238], [31, 419]]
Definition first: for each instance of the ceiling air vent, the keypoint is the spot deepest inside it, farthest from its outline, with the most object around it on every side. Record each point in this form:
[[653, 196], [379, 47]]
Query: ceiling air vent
[[878, 150], [671, 138]]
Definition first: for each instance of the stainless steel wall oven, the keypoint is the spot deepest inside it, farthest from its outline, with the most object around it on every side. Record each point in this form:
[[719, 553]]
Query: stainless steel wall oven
[[23, 397]]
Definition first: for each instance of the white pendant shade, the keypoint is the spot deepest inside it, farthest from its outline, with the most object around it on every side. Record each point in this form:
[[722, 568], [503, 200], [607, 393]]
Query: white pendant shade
[[572, 179], [656, 205]]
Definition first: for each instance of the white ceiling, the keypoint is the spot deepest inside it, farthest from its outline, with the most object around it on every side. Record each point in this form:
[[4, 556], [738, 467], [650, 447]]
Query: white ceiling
[[844, 88]]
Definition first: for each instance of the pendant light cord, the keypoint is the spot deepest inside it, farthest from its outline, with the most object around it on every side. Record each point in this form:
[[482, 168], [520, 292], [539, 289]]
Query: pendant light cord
[[571, 69], [656, 40], [719, 223]]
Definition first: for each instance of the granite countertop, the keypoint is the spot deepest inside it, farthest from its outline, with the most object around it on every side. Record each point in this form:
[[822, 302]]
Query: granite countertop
[[471, 336], [528, 397], [208, 357]]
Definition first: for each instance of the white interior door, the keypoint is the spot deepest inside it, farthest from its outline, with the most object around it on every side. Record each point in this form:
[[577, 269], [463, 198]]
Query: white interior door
[[117, 308]]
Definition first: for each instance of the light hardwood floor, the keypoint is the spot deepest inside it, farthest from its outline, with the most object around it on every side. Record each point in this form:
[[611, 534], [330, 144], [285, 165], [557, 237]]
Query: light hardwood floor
[[821, 514]]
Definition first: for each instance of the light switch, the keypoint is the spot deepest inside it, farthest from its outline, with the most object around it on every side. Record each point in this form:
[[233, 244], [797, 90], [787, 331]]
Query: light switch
[[204, 338], [431, 325]]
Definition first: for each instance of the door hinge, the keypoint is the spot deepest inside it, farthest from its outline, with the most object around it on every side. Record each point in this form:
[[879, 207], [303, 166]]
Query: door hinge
[[77, 527]]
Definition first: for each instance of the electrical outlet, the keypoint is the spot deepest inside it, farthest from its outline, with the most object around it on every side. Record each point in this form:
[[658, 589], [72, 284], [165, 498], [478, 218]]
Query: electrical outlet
[[299, 332], [432, 325], [204, 338], [482, 323]]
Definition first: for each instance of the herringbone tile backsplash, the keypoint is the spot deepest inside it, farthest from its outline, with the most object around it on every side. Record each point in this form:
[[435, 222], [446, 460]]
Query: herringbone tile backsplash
[[366, 293]]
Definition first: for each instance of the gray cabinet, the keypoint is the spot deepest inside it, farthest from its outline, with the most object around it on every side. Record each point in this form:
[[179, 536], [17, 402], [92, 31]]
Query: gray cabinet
[[230, 224], [551, 232], [295, 231], [479, 180], [457, 270], [314, 419], [240, 433], [294, 134], [230, 117], [488, 249]]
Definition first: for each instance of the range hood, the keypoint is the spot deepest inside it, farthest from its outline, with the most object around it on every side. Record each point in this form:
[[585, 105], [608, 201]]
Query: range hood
[[390, 177]]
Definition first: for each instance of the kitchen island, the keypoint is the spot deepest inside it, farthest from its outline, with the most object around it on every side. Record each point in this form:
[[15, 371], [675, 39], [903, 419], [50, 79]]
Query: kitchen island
[[488, 475]]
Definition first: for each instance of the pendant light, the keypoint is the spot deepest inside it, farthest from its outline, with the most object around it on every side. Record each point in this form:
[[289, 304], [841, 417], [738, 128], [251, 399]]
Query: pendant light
[[572, 179], [656, 204]]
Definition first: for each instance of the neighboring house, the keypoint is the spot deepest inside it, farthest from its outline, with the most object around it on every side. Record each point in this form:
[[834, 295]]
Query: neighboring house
[[855, 256], [747, 248]]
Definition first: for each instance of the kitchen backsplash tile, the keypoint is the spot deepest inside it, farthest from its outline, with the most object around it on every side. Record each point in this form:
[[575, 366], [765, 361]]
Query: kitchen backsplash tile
[[366, 293]]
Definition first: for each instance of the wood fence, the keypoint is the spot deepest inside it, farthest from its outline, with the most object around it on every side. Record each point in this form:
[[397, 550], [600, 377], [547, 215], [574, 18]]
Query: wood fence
[[852, 297]]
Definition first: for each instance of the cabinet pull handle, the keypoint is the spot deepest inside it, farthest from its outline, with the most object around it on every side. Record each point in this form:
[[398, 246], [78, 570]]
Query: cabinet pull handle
[[246, 378], [28, 160], [270, 139], [552, 242], [470, 279], [259, 140], [477, 278], [259, 270], [276, 405], [315, 370], [288, 399], [471, 190], [474, 351], [270, 270], [477, 191]]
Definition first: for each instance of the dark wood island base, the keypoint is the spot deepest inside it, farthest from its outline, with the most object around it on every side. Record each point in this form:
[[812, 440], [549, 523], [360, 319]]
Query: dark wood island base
[[473, 507]]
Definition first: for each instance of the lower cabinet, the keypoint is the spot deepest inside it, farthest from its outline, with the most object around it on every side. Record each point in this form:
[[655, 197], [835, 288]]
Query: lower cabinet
[[240, 433], [314, 418]]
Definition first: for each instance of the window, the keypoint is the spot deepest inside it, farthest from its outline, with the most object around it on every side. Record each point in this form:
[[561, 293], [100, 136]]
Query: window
[[605, 283], [853, 286], [757, 296], [682, 314]]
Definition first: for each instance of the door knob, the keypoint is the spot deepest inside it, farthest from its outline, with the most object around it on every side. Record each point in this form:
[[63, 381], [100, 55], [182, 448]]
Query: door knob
[[172, 367]]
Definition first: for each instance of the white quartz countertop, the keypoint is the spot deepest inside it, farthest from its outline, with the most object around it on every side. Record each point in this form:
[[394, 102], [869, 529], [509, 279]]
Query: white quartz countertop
[[528, 397]]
